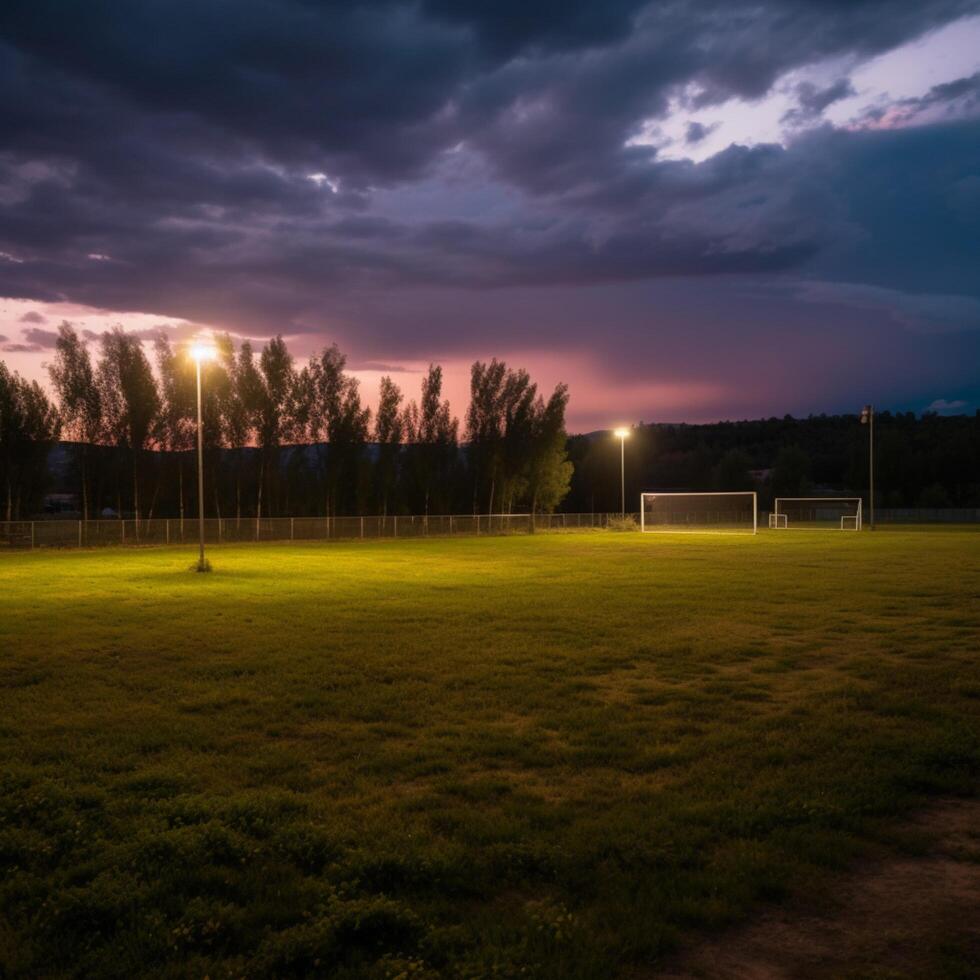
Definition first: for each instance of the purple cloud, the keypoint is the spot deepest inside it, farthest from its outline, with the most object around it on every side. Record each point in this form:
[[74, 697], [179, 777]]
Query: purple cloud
[[40, 338], [21, 348], [419, 180]]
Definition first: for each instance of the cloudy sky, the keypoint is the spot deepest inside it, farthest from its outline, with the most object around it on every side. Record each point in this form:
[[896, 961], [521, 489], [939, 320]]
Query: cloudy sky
[[687, 211]]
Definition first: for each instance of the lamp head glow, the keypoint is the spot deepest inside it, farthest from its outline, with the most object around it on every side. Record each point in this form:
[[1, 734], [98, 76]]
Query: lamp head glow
[[202, 352], [621, 433]]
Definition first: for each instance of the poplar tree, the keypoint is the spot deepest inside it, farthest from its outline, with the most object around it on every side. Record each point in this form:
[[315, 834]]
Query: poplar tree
[[388, 432], [74, 382], [484, 429], [130, 400], [273, 383], [175, 427], [339, 419], [238, 405], [549, 473], [431, 434], [29, 426]]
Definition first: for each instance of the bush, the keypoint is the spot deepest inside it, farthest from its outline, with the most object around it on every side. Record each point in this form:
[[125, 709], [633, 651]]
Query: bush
[[627, 523]]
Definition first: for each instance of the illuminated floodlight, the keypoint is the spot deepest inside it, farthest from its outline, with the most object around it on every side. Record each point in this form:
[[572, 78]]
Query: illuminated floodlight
[[202, 351], [621, 434]]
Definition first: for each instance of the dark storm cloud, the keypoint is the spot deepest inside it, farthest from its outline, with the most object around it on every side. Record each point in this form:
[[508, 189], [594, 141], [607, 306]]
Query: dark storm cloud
[[507, 27], [744, 211], [812, 100], [959, 99], [32, 316], [963, 88], [180, 140], [910, 199], [697, 131], [378, 89]]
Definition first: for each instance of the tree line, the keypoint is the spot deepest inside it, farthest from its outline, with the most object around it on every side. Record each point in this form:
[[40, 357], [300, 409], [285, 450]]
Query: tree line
[[920, 461], [280, 438]]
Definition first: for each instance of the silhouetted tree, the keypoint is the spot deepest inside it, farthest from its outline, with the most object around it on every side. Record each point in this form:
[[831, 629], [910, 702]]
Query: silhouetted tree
[[431, 451], [272, 387], [73, 379], [175, 423], [337, 417], [732, 472], [239, 408], [791, 473], [29, 425], [130, 400], [485, 429], [549, 471], [388, 432]]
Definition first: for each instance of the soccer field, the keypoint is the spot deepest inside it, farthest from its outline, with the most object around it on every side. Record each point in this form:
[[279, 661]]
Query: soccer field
[[561, 753]]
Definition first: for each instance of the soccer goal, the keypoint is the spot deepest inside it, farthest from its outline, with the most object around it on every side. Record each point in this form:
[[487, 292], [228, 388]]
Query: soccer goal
[[817, 514], [717, 512]]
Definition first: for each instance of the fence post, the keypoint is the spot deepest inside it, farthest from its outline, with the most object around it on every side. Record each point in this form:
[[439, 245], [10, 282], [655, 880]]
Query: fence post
[[450, 523], [32, 535], [292, 529], [167, 529], [79, 534], [395, 534], [122, 529], [362, 526]]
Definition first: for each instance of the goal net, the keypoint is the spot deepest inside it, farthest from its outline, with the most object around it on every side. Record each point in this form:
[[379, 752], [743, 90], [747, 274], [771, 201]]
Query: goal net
[[725, 512], [817, 513]]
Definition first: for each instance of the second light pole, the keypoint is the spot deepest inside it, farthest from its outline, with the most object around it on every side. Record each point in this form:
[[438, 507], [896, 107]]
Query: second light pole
[[622, 434]]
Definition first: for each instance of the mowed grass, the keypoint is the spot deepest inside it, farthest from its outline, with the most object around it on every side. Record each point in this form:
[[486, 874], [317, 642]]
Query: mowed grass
[[553, 756]]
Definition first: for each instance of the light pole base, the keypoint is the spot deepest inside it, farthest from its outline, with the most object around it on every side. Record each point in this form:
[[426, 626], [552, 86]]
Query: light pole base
[[201, 565]]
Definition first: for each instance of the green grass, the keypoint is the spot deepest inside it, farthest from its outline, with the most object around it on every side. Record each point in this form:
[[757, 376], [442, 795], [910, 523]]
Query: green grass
[[547, 756]]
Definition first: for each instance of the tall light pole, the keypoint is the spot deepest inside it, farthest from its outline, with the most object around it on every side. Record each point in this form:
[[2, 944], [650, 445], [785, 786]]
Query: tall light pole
[[868, 419], [622, 434], [201, 352]]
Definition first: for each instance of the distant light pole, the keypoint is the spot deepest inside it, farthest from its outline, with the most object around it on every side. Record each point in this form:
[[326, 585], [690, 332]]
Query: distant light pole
[[868, 419], [201, 352], [622, 434]]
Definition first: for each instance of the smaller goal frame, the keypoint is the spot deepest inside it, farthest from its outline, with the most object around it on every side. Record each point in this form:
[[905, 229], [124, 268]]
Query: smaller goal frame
[[704, 493], [779, 520]]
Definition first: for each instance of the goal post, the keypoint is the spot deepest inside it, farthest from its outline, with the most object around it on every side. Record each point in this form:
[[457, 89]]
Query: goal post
[[817, 513], [724, 512]]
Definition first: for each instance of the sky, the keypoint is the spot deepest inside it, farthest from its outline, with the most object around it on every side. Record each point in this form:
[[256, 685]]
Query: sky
[[685, 211]]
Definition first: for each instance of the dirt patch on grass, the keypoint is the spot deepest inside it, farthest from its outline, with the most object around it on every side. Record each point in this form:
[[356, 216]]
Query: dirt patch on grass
[[910, 916]]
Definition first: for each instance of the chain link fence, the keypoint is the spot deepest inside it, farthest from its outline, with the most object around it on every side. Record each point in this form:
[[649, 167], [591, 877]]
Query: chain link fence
[[158, 531], [229, 530], [926, 515]]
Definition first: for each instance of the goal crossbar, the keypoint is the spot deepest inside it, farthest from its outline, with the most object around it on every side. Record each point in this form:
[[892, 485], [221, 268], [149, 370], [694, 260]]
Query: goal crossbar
[[817, 513], [705, 512]]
